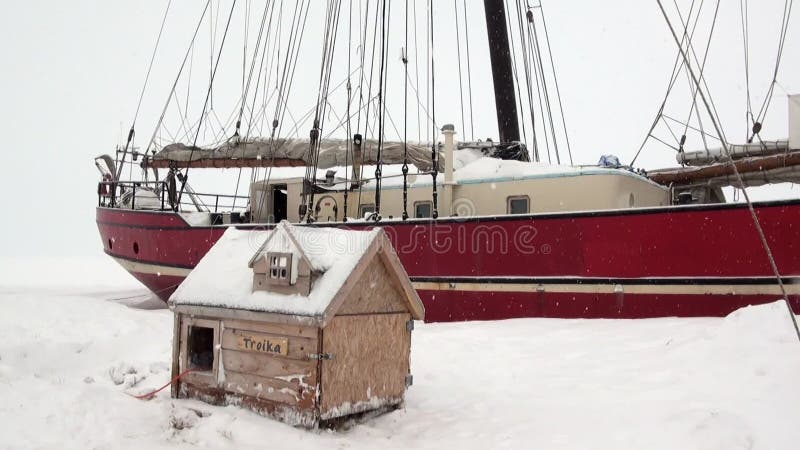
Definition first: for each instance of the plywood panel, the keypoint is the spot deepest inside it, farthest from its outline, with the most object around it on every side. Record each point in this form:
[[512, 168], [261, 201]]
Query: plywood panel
[[374, 292], [270, 367], [299, 348], [289, 393], [370, 363]]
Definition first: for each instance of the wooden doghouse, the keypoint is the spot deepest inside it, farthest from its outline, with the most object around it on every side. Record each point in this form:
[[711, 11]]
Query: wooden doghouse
[[304, 324]]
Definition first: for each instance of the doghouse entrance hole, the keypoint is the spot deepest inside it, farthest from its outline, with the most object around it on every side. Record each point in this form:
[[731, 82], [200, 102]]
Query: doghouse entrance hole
[[200, 348]]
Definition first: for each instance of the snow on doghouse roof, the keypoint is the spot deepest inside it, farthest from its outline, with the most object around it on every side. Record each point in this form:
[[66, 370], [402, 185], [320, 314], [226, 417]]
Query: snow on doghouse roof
[[224, 277]]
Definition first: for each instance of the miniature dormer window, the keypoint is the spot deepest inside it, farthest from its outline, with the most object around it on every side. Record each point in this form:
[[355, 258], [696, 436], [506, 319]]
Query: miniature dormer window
[[279, 268]]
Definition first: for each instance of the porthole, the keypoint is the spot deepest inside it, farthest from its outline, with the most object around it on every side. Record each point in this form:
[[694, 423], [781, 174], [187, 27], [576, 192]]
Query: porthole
[[110, 244], [136, 248]]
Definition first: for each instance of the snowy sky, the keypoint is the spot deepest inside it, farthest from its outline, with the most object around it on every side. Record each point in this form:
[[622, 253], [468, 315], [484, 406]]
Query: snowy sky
[[73, 71]]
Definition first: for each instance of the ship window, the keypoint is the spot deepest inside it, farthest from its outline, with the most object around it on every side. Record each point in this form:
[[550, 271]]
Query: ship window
[[423, 209], [200, 348], [365, 209], [518, 205], [631, 200], [280, 267]]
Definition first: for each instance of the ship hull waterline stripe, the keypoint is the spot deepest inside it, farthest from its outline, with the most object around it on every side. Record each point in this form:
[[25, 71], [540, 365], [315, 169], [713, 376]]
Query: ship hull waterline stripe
[[151, 269], [613, 288], [741, 286]]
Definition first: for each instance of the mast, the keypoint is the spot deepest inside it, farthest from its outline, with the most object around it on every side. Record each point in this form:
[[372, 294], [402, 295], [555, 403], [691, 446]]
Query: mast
[[504, 99]]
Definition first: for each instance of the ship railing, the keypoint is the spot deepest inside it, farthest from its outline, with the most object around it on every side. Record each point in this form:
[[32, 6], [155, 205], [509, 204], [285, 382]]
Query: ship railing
[[122, 194]]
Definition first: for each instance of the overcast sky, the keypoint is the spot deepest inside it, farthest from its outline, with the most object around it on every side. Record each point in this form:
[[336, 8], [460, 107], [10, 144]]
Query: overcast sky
[[72, 73]]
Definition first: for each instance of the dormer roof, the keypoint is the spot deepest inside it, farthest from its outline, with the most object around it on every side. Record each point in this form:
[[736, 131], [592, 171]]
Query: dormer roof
[[282, 239]]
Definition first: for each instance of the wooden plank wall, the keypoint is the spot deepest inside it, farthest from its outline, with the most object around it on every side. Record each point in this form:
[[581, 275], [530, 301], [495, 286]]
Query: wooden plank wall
[[289, 379]]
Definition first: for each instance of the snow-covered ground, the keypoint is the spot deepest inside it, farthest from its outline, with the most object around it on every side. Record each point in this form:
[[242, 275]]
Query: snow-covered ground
[[71, 351]]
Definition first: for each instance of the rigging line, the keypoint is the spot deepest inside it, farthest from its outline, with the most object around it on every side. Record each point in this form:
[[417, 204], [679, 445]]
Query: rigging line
[[469, 77], [332, 32], [664, 142], [694, 108], [527, 55], [283, 87], [362, 46], [416, 69], [435, 132], [693, 92], [693, 53], [419, 100], [150, 66], [272, 60], [538, 55], [213, 23], [180, 71], [674, 136], [290, 67], [349, 147], [405, 122], [743, 8], [699, 130], [312, 109], [281, 76], [702, 70], [295, 38], [131, 132], [244, 41], [371, 71], [342, 121], [189, 84], [555, 79], [246, 89], [381, 109], [753, 215], [458, 54], [183, 125], [428, 26], [285, 96], [787, 11], [514, 69], [246, 84], [394, 126], [531, 61], [261, 67], [369, 87], [676, 68], [705, 55], [208, 95]]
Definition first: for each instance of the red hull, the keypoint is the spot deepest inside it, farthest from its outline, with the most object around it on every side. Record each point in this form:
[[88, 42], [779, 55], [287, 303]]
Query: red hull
[[675, 261]]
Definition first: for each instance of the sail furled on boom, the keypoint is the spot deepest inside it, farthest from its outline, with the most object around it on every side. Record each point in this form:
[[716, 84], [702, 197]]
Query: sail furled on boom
[[265, 152]]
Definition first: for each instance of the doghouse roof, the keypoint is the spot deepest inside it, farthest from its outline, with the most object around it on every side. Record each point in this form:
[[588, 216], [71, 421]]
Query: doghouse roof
[[224, 277]]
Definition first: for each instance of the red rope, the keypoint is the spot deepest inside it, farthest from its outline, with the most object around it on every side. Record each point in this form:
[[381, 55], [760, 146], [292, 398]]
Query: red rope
[[150, 395]]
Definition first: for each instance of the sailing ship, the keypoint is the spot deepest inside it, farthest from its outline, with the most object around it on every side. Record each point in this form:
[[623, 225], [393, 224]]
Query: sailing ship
[[485, 229]]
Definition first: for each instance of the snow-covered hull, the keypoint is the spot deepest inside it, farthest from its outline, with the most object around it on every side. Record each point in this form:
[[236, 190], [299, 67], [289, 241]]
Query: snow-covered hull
[[703, 260]]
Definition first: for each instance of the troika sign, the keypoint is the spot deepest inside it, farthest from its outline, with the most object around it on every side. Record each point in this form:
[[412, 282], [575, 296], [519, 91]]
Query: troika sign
[[262, 343]]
